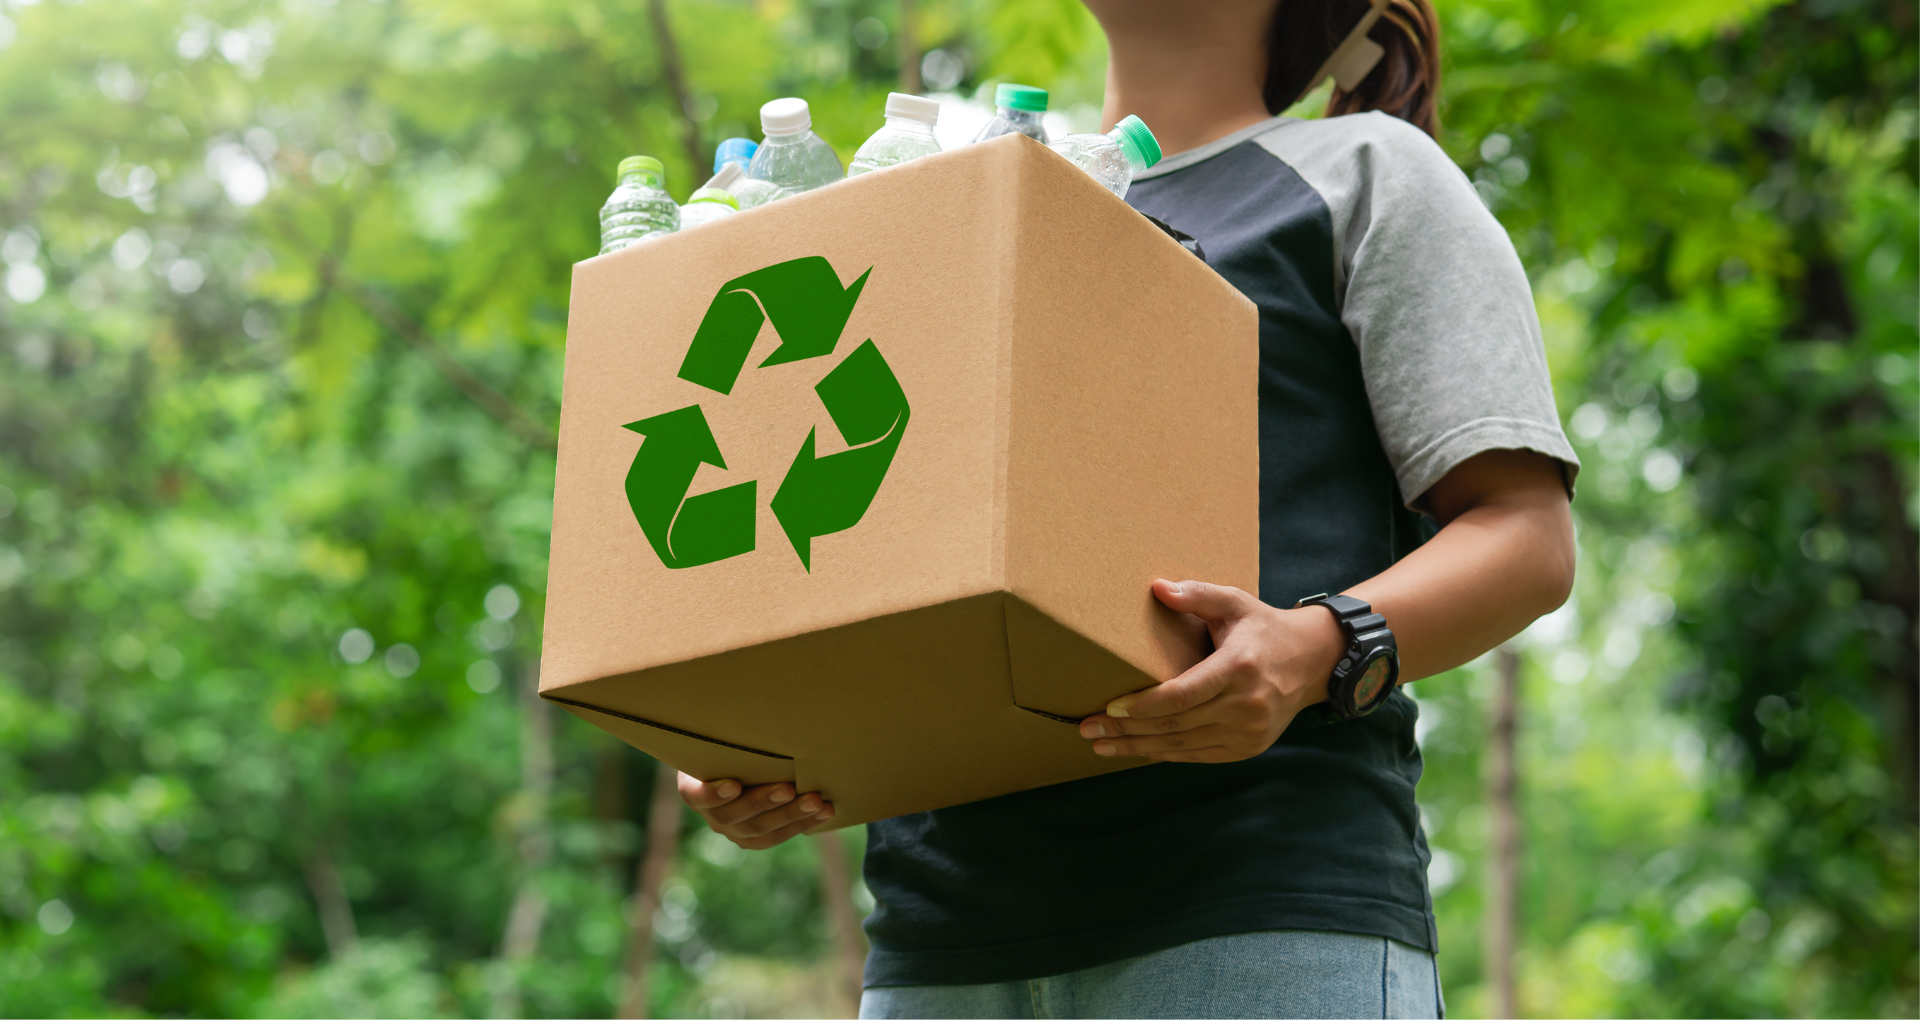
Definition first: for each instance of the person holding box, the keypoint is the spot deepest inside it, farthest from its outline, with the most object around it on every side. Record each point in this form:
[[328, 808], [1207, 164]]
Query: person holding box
[[1412, 465]]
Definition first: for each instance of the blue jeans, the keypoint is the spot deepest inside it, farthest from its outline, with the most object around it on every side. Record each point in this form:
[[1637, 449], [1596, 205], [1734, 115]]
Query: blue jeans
[[1258, 974]]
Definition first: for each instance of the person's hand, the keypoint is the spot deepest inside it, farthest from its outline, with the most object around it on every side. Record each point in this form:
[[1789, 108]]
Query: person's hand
[[755, 817], [1267, 665]]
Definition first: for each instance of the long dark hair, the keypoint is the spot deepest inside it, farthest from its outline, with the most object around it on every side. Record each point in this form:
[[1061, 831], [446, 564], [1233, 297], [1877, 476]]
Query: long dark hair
[[1405, 83]]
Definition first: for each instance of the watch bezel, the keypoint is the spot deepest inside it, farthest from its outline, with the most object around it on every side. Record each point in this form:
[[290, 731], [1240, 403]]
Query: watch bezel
[[1370, 656]]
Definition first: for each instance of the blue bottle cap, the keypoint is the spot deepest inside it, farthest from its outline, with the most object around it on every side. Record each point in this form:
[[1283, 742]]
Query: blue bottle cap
[[741, 149]]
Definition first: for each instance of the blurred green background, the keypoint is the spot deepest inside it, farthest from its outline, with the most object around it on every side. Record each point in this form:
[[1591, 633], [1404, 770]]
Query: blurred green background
[[285, 294]]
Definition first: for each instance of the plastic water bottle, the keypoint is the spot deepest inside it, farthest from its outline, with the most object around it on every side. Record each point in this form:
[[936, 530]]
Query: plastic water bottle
[[707, 205], [908, 134], [1016, 111], [793, 158], [734, 150], [1113, 158], [738, 154], [639, 207]]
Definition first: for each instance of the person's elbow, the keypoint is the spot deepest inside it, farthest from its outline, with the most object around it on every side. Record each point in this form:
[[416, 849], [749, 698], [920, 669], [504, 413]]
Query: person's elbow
[[1556, 554], [1520, 499]]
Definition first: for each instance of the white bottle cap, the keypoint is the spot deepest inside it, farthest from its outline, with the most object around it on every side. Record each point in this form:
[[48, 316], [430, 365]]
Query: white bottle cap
[[787, 116], [920, 108], [726, 178]]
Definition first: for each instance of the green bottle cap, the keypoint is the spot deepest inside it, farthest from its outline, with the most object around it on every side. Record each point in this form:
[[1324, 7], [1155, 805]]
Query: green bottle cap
[[1021, 97], [638, 164], [1133, 136], [720, 195]]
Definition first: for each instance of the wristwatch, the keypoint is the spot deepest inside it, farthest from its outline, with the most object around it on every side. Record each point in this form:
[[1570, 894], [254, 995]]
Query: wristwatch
[[1370, 667]]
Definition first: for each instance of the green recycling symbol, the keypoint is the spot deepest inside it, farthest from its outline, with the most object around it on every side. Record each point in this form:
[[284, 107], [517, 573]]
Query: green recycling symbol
[[809, 309]]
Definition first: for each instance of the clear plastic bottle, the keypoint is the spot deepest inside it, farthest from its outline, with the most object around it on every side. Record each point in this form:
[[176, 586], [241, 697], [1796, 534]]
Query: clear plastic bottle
[[1016, 111], [639, 207], [707, 205], [738, 153], [1113, 158], [908, 134], [793, 158]]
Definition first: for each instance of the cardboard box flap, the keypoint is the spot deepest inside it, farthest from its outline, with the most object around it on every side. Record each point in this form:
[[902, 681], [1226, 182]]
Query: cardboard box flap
[[1060, 672], [701, 757], [868, 710]]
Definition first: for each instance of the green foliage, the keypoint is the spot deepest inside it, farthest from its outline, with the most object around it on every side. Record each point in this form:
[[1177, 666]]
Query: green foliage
[[1718, 205], [1042, 41], [249, 528], [378, 979], [288, 295]]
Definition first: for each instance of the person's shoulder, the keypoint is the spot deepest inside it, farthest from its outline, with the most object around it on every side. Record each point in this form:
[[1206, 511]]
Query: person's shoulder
[[1373, 154], [1371, 128], [1371, 145]]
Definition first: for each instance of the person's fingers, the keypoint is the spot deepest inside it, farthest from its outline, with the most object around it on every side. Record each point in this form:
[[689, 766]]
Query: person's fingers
[[781, 835], [1095, 726], [757, 800], [1214, 603], [1185, 692], [1166, 743], [703, 796], [765, 822], [808, 806]]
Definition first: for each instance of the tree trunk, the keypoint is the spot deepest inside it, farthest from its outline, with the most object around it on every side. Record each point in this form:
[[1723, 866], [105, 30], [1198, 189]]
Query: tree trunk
[[909, 49], [330, 899], [1503, 858], [331, 779], [663, 841], [521, 940], [676, 76], [610, 801], [849, 942], [1900, 588]]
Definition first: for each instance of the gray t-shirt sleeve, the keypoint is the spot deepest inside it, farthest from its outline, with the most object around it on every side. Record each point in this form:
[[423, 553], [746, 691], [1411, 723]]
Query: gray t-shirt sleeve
[[1434, 295]]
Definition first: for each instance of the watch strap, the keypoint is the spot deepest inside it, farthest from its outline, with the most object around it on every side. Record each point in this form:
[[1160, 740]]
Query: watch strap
[[1344, 607]]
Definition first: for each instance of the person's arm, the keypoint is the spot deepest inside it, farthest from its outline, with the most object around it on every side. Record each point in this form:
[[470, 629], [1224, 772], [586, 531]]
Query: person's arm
[[1504, 556]]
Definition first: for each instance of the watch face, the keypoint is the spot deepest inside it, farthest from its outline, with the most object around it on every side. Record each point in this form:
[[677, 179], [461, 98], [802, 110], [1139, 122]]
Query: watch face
[[1368, 687]]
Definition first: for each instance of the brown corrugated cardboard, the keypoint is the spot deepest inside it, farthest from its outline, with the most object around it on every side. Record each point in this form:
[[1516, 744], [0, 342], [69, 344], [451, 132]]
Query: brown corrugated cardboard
[[1078, 418]]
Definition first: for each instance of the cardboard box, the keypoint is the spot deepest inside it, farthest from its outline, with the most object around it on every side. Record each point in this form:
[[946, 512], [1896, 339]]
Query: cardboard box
[[988, 405]]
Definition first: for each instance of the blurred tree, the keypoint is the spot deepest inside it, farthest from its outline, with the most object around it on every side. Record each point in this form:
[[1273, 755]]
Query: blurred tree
[[274, 502], [1718, 200]]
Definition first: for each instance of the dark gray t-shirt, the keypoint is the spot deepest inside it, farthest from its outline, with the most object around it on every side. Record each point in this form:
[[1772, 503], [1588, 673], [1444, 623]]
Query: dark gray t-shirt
[[1397, 339]]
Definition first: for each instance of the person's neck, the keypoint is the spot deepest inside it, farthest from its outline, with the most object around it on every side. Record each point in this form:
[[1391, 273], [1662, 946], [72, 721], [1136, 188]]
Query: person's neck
[[1188, 95]]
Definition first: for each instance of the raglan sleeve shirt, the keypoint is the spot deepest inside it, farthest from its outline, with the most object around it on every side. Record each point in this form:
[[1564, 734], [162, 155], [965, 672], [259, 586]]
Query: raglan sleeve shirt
[[1397, 339], [1435, 298]]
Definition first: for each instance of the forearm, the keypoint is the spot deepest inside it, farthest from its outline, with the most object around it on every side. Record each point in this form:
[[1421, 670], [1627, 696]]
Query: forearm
[[1493, 569], [1503, 557]]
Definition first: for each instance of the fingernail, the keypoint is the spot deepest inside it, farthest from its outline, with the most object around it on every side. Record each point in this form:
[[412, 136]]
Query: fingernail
[[1118, 708], [728, 790], [1094, 729], [826, 811], [811, 804], [1102, 747], [780, 796], [1173, 587]]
